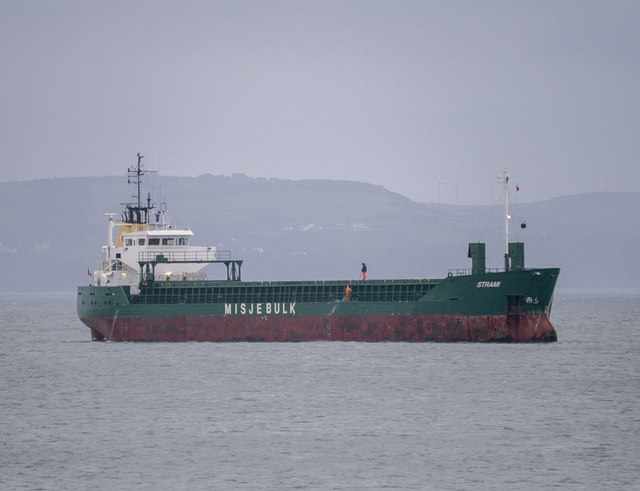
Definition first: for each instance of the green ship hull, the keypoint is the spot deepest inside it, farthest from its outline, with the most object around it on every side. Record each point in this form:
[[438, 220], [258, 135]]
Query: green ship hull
[[507, 306]]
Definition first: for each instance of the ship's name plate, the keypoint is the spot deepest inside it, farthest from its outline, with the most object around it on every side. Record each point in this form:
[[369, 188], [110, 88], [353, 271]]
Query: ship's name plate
[[488, 284], [263, 308]]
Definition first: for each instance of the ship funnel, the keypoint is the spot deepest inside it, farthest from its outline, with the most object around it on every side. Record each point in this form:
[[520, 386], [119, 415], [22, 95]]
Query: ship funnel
[[478, 257]]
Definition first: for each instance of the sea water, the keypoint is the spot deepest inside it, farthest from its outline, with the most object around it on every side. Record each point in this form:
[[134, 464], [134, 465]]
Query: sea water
[[76, 414]]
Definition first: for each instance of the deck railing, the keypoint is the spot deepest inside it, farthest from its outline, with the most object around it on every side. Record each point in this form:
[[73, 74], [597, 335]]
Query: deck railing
[[183, 256], [465, 272]]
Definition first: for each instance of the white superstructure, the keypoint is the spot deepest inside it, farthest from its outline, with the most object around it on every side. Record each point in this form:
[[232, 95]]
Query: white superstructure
[[144, 234], [130, 242]]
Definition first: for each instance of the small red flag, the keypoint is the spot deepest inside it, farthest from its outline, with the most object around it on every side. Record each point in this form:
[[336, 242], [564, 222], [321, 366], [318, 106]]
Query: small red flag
[[89, 272], [517, 188]]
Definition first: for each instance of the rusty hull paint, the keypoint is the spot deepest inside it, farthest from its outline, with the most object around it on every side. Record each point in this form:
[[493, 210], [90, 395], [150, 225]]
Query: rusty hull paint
[[96, 335], [365, 328]]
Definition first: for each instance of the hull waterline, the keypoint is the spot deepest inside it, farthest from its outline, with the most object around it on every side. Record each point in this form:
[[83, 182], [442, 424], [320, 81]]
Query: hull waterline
[[376, 328]]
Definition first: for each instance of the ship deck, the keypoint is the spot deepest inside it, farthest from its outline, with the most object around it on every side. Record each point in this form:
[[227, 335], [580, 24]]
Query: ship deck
[[164, 292]]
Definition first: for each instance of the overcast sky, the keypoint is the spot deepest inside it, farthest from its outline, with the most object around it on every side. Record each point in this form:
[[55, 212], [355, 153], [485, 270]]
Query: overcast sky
[[431, 99]]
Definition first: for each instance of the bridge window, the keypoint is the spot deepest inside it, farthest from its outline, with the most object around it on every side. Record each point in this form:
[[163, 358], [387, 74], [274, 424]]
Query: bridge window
[[141, 241], [154, 241], [183, 241], [167, 241]]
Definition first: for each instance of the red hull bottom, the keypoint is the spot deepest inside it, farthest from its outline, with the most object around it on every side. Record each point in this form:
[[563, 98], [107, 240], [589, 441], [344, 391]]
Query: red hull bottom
[[372, 328]]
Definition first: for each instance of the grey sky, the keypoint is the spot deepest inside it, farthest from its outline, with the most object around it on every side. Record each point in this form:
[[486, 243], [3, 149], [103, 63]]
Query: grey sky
[[404, 94]]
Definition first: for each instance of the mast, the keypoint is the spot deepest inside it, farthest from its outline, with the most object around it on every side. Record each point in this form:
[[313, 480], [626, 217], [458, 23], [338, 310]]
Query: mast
[[505, 181], [136, 212], [136, 173]]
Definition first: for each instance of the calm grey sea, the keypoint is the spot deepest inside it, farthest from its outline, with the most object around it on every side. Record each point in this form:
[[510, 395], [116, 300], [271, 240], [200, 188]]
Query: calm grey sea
[[81, 415]]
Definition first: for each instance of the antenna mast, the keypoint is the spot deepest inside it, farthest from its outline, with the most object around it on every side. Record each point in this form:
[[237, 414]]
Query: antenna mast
[[505, 181], [135, 212], [136, 174]]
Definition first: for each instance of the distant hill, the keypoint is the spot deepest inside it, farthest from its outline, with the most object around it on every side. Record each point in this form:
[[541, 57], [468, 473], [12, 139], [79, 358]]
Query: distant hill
[[52, 230]]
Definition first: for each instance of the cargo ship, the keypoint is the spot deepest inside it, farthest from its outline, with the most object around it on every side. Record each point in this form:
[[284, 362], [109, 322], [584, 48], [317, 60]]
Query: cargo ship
[[150, 287]]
